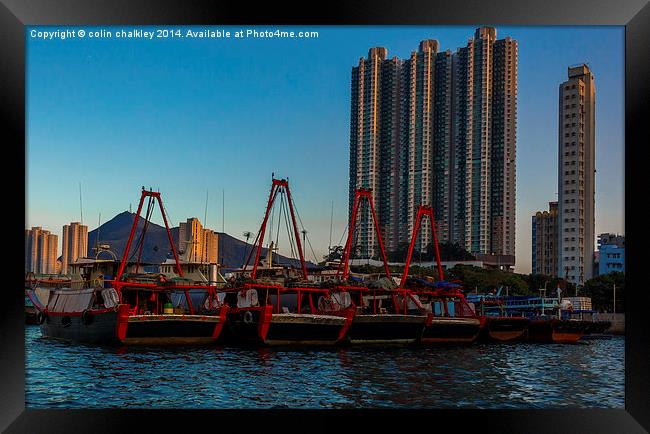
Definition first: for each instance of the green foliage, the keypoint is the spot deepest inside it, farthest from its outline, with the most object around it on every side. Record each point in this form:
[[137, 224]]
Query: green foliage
[[485, 280], [601, 291]]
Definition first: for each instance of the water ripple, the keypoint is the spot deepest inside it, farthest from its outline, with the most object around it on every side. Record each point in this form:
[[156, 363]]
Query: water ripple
[[61, 375]]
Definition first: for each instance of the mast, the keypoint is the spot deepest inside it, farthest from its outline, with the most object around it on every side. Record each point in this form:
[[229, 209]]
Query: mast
[[277, 186], [329, 247], [423, 211], [359, 195]]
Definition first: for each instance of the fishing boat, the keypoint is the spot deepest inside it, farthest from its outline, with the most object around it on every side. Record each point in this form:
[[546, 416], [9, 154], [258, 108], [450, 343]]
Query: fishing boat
[[496, 324], [547, 324], [449, 317], [90, 315], [30, 311], [164, 311], [278, 305], [385, 313], [580, 308], [554, 330]]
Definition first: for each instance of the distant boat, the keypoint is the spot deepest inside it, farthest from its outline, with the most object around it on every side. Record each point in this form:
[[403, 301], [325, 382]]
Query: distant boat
[[496, 324]]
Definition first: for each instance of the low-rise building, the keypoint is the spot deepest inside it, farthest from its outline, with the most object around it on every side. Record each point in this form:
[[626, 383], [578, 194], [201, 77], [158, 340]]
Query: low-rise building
[[611, 253]]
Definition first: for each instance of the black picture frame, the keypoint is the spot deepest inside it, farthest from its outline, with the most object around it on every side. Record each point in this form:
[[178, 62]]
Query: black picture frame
[[634, 15]]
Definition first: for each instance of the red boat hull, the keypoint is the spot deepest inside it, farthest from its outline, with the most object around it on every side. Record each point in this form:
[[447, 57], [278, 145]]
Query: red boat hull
[[556, 331], [504, 329]]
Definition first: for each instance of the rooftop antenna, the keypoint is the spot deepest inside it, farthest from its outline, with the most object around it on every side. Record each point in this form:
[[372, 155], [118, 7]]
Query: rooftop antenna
[[81, 207], [223, 210]]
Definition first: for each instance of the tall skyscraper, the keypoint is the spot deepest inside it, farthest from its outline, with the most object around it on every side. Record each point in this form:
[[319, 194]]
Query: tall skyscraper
[[544, 241], [485, 110], [31, 248], [576, 175], [74, 245], [198, 243], [374, 138], [40, 251], [438, 129]]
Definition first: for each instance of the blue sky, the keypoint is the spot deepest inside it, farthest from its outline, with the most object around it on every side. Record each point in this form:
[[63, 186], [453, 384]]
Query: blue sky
[[190, 115]]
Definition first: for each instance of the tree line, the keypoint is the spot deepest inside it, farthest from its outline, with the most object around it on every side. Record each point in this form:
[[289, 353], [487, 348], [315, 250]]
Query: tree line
[[483, 280]]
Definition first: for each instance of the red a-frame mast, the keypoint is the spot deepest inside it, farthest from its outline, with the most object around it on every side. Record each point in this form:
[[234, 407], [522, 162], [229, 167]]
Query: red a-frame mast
[[423, 211], [278, 186], [117, 282], [359, 195]]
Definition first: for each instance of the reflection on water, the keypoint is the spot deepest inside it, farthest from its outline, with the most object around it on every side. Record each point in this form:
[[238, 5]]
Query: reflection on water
[[589, 374]]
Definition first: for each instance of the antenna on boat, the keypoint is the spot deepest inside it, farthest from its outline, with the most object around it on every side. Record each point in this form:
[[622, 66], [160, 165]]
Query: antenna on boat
[[99, 223], [205, 216], [81, 207], [329, 247]]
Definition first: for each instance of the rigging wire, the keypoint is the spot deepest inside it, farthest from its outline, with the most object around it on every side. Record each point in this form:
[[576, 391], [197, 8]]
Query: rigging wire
[[292, 241], [144, 228], [303, 228]]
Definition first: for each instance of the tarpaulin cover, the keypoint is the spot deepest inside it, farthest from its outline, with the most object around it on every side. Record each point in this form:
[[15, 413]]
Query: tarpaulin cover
[[70, 300]]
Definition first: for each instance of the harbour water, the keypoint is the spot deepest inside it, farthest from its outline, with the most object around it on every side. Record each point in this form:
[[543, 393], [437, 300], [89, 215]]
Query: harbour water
[[62, 375]]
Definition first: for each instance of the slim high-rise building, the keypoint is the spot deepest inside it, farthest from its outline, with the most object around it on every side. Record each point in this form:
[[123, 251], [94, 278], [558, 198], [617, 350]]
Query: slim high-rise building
[[31, 248], [544, 241], [40, 251], [74, 245], [485, 111], [438, 129], [198, 243], [419, 105], [374, 150], [576, 175]]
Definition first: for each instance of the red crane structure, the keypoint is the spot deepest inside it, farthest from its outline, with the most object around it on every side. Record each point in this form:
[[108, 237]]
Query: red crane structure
[[359, 195], [202, 325], [277, 309], [423, 211], [279, 186], [455, 321], [118, 283], [385, 314]]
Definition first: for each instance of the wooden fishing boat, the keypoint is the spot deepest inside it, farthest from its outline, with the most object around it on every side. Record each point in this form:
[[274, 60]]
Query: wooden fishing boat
[[449, 319], [496, 325], [274, 315], [161, 311], [91, 315], [504, 328], [385, 314], [554, 330], [278, 306]]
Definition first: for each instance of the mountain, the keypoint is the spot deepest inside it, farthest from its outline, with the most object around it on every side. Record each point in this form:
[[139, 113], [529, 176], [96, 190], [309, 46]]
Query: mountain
[[156, 249]]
